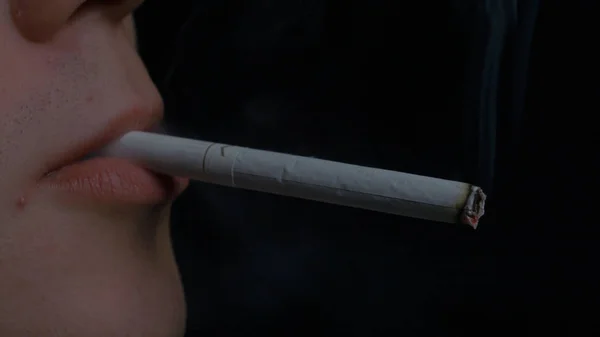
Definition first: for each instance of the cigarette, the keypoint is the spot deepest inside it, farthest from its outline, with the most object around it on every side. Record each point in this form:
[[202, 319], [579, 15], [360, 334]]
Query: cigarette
[[302, 177]]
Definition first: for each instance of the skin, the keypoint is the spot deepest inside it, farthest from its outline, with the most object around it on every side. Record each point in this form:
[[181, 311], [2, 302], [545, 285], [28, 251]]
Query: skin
[[66, 70]]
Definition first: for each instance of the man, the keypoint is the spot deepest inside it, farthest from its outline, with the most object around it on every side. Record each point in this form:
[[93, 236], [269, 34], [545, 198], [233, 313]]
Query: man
[[84, 246]]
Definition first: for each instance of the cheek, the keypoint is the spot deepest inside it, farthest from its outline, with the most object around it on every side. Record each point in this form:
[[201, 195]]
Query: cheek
[[22, 73]]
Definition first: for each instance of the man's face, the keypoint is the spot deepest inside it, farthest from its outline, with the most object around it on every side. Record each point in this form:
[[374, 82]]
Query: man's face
[[77, 263]]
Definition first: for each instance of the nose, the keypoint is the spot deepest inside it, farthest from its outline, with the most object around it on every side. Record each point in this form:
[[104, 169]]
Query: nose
[[40, 20]]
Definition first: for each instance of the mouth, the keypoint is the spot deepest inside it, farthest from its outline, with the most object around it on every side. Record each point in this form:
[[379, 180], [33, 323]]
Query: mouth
[[85, 176], [114, 180]]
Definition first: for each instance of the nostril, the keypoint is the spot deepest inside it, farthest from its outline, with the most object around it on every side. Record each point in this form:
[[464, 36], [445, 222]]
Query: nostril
[[39, 21]]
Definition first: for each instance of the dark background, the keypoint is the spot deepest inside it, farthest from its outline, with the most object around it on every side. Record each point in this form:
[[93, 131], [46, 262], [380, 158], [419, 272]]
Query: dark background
[[499, 93]]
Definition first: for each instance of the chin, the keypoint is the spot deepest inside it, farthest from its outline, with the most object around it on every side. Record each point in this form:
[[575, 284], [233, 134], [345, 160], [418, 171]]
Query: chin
[[136, 312], [87, 273]]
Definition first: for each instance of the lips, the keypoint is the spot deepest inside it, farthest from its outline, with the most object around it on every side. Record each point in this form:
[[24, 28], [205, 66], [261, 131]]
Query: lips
[[132, 120], [112, 180]]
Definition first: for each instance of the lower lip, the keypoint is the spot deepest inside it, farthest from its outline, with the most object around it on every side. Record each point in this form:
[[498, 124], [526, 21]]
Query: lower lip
[[114, 180]]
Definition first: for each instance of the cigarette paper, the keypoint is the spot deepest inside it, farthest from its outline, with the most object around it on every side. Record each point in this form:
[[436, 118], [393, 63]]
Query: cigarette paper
[[302, 177]]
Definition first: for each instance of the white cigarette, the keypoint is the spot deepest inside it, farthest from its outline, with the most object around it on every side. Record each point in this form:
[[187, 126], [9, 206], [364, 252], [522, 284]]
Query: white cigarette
[[308, 178]]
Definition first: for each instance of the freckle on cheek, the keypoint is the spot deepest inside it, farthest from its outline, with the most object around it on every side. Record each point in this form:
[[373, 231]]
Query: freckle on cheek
[[21, 203]]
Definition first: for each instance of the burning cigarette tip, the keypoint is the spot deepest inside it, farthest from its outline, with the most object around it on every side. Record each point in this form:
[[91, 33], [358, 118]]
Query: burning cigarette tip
[[474, 207]]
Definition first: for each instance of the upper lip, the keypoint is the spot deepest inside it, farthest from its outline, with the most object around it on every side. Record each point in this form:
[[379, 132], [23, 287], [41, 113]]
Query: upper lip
[[133, 119]]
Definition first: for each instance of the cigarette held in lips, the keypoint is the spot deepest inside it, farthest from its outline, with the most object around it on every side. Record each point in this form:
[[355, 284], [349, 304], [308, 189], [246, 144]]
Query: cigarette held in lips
[[301, 177]]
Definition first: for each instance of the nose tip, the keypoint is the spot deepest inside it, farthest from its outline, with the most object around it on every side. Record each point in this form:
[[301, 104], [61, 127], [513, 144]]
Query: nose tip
[[39, 21]]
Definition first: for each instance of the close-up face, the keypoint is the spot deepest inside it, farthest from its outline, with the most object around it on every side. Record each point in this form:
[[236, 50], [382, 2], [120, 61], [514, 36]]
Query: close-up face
[[84, 247]]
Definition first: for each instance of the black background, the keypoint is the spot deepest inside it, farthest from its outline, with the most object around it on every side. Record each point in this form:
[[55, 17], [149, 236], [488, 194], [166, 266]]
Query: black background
[[500, 93]]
